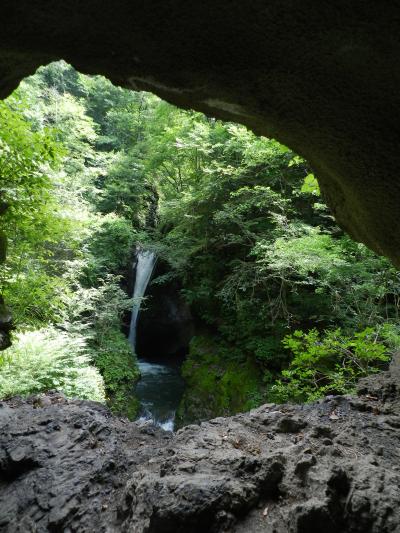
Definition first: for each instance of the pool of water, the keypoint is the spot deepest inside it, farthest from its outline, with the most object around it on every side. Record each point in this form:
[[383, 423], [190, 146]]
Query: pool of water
[[160, 391]]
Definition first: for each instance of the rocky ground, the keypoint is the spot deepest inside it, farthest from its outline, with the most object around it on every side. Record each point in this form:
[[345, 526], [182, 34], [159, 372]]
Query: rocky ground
[[332, 466]]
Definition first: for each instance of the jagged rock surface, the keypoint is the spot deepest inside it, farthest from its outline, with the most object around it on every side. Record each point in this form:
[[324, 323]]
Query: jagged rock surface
[[332, 466]]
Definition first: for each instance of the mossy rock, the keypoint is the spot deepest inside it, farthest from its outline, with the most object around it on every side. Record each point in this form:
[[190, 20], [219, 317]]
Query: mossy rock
[[217, 383]]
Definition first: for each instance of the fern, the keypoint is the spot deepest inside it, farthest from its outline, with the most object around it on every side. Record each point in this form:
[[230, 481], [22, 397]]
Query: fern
[[49, 359]]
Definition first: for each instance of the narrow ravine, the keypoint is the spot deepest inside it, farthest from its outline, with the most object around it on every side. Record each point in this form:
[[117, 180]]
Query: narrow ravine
[[161, 386]]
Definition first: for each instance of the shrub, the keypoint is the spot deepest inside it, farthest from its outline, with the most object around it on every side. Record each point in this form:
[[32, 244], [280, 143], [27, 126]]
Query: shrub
[[96, 313], [49, 359], [35, 298], [117, 363], [328, 363]]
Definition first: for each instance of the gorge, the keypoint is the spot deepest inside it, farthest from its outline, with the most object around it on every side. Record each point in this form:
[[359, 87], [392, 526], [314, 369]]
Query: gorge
[[268, 299]]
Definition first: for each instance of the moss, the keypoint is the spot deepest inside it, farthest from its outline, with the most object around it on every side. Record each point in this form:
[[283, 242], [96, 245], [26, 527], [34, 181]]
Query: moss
[[118, 366], [219, 382]]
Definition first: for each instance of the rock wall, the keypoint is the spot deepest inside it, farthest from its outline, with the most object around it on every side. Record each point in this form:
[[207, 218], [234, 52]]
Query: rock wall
[[165, 325], [217, 384], [332, 466]]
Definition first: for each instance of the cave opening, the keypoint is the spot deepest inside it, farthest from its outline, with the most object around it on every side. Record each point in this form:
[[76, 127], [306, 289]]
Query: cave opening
[[165, 323], [244, 251]]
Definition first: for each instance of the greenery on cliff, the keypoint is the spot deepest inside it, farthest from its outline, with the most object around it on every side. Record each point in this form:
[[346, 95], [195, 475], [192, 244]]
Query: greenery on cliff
[[287, 307]]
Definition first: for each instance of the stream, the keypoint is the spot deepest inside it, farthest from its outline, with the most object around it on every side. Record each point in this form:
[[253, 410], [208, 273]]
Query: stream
[[159, 390]]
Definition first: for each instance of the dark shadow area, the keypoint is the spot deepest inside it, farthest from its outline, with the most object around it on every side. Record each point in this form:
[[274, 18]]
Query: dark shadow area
[[165, 324]]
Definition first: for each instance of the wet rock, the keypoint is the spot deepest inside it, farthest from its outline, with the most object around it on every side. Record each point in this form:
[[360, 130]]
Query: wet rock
[[165, 325]]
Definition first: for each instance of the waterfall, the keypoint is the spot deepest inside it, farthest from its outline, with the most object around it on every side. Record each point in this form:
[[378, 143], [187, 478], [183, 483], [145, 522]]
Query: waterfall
[[160, 387], [145, 261]]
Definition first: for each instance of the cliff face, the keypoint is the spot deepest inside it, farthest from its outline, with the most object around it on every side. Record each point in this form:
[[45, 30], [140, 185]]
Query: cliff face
[[332, 466]]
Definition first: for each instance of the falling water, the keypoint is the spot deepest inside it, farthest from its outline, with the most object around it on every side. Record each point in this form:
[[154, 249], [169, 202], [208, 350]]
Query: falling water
[[144, 269]]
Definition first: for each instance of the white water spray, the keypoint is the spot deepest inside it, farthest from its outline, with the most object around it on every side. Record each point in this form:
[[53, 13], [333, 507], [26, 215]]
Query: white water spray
[[146, 261]]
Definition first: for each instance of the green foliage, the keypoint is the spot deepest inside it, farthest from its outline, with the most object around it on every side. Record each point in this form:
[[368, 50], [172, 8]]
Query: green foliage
[[310, 185], [49, 359], [96, 313], [256, 254], [114, 358], [110, 246], [36, 298], [122, 189], [62, 253], [25, 159], [348, 283], [328, 363]]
